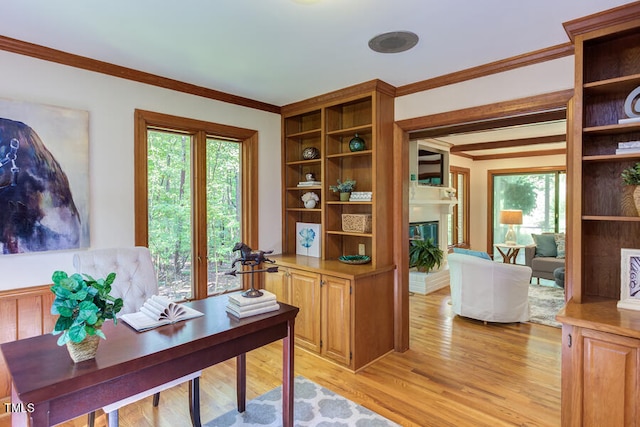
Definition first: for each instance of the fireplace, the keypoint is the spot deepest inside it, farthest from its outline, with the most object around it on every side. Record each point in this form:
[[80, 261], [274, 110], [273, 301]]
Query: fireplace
[[424, 230]]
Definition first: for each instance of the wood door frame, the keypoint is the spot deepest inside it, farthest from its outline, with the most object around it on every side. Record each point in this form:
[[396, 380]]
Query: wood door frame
[[532, 109]]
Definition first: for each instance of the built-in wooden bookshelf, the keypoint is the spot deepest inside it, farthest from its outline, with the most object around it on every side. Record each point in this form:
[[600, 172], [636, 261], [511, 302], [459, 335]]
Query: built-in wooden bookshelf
[[328, 127], [601, 342]]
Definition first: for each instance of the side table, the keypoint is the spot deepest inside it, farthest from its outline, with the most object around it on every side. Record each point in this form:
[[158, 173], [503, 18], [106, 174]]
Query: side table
[[509, 253]]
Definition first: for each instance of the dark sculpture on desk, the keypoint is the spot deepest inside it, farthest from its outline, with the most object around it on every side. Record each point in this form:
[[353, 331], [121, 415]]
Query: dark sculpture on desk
[[251, 258]]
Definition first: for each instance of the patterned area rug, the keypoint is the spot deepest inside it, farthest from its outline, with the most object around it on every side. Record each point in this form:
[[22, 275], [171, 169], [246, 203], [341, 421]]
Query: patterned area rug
[[313, 406], [544, 304]]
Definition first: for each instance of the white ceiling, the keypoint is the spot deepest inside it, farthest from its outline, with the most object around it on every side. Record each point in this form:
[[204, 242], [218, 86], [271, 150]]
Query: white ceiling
[[282, 51]]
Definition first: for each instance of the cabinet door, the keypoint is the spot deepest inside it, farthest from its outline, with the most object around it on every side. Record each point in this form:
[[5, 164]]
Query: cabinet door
[[336, 319], [277, 283], [609, 385], [305, 294]]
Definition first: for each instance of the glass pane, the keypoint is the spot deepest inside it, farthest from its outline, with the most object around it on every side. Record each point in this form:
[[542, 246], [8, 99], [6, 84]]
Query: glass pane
[[542, 199], [223, 213], [169, 222]]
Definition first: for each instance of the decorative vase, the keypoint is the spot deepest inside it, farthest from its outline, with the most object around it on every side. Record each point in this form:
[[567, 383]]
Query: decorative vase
[[356, 143], [310, 153], [85, 349], [344, 197], [310, 204], [631, 200]]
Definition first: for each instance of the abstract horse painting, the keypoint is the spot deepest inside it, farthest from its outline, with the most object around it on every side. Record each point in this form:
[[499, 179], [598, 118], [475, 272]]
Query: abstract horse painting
[[37, 208]]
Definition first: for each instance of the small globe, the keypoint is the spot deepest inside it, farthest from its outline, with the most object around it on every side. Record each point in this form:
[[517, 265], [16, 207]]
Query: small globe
[[310, 153], [356, 143]]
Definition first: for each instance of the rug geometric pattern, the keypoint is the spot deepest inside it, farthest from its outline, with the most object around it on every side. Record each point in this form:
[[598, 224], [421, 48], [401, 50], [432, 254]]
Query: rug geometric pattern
[[313, 406], [544, 304]]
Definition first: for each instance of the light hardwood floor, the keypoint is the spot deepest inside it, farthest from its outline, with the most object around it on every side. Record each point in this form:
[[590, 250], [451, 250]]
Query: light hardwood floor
[[458, 372]]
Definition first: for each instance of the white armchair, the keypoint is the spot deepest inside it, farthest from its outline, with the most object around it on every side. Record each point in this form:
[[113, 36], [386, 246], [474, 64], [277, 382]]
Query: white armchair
[[487, 290], [135, 282]]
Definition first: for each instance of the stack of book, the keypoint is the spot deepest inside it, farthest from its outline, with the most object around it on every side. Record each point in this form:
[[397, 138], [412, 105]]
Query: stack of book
[[309, 183], [629, 147], [241, 306]]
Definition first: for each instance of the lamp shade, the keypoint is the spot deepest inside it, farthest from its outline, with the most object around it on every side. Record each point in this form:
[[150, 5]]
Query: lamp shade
[[511, 216]]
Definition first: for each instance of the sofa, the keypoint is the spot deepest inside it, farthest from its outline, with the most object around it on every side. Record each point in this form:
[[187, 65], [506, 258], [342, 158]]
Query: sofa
[[545, 255], [489, 291]]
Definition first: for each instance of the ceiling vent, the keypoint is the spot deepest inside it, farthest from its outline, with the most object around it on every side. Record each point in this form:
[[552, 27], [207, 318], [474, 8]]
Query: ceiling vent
[[393, 42]]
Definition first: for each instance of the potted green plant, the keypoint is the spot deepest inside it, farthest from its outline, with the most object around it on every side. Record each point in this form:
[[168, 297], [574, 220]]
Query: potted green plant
[[344, 188], [631, 193], [425, 255], [83, 304]]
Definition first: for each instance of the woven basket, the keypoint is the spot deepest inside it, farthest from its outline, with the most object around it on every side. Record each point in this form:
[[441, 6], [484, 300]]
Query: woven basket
[[356, 223], [85, 349]]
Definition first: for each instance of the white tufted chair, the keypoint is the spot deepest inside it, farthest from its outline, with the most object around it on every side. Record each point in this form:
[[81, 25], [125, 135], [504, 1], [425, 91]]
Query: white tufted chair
[[135, 282]]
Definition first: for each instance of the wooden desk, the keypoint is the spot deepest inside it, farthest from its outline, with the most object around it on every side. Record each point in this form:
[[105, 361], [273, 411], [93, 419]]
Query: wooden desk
[[510, 254], [129, 362]]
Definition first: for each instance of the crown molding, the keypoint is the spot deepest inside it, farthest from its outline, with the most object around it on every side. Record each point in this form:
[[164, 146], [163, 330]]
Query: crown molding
[[77, 61], [535, 57]]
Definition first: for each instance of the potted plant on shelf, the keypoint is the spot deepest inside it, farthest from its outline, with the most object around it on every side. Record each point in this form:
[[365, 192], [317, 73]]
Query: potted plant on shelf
[[631, 195], [344, 188], [425, 255], [83, 304]]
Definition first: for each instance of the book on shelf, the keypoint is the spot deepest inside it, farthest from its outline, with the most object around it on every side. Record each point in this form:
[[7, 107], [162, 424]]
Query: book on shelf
[[309, 183], [629, 120], [241, 307], [159, 311], [629, 144], [628, 150]]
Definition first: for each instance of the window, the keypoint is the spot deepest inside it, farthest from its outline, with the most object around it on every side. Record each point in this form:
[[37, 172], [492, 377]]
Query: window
[[539, 193], [459, 218], [194, 201]]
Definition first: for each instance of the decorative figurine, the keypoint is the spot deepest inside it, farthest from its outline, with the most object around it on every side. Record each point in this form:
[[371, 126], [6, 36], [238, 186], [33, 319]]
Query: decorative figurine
[[252, 259]]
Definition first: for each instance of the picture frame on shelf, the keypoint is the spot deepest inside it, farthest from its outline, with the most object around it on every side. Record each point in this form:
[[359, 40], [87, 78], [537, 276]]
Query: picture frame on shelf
[[308, 239], [630, 279]]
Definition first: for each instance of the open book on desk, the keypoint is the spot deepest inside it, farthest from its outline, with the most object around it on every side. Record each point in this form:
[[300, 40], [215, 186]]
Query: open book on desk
[[158, 311]]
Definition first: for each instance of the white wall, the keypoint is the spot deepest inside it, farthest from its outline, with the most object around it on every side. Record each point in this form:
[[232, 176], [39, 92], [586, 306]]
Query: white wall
[[547, 77], [110, 102]]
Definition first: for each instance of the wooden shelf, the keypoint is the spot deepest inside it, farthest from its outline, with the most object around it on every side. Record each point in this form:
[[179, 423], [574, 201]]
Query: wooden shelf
[[615, 85], [350, 154], [303, 210], [315, 187], [305, 134], [615, 129], [610, 218], [350, 131], [611, 157], [348, 233]]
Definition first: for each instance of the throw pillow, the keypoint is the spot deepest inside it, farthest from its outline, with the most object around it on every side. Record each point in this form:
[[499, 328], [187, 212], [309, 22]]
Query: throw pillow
[[545, 244], [559, 238], [479, 254]]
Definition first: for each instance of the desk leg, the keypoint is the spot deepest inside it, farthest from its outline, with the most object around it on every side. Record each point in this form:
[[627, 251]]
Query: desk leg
[[194, 401], [241, 381], [287, 376]]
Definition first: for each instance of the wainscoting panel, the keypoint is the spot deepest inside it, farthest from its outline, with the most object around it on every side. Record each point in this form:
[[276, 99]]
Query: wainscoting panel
[[24, 313]]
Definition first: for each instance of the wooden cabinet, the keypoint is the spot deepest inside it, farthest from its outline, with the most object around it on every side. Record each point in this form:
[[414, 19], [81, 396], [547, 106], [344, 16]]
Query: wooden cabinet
[[329, 294], [327, 124], [601, 366], [322, 325], [278, 284], [601, 343]]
